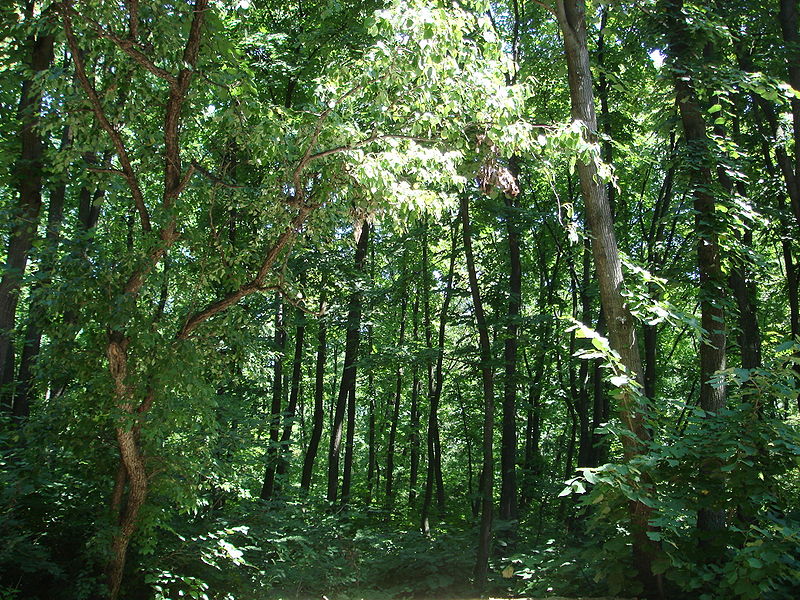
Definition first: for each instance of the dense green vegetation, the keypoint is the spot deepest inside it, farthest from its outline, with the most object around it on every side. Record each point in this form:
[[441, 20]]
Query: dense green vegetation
[[375, 299]]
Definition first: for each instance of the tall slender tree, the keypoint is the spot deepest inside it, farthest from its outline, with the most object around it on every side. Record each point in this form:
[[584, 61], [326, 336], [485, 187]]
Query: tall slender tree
[[348, 379], [481, 568], [710, 520], [571, 15], [318, 419]]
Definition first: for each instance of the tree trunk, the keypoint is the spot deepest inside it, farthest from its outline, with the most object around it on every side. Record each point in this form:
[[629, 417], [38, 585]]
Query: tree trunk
[[603, 88], [131, 457], [372, 455], [33, 331], [319, 398], [413, 471], [621, 326], [28, 181], [472, 497], [481, 569], [434, 472], [792, 277], [744, 290], [348, 379], [273, 450], [710, 521], [656, 256], [398, 389], [126, 396], [294, 395], [347, 471], [581, 394], [533, 421], [547, 290], [788, 20], [508, 450], [601, 409]]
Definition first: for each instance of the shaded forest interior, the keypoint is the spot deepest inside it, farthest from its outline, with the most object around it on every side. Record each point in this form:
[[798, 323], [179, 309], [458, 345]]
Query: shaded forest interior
[[399, 299]]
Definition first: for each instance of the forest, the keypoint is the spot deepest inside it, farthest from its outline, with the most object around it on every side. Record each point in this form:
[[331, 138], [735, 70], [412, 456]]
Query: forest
[[393, 299]]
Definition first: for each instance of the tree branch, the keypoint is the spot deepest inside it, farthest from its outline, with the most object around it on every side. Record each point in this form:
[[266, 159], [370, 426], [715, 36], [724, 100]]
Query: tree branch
[[256, 284], [177, 96], [309, 156], [133, 18], [106, 170], [548, 7], [128, 45], [97, 108]]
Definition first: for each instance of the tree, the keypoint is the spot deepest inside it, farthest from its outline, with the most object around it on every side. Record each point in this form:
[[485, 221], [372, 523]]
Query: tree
[[28, 181], [713, 349], [487, 379], [621, 324]]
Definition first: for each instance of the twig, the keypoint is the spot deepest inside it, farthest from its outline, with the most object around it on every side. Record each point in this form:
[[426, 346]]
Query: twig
[[106, 170], [548, 7]]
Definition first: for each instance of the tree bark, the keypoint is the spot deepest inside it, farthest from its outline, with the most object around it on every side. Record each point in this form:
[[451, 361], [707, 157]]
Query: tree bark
[[787, 17], [710, 521], [508, 450], [388, 501], [33, 330], [294, 395], [581, 394], [434, 471], [472, 497], [601, 409], [372, 454], [347, 471], [273, 450], [792, 278], [413, 471]]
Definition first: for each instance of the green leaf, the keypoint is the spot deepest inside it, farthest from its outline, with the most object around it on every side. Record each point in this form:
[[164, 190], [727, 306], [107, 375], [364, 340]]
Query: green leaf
[[754, 562]]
